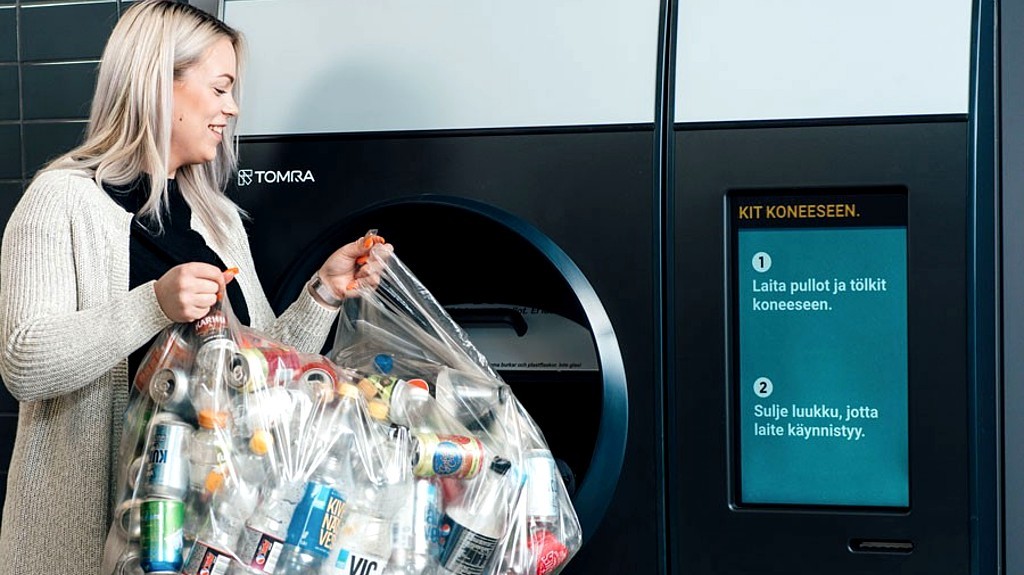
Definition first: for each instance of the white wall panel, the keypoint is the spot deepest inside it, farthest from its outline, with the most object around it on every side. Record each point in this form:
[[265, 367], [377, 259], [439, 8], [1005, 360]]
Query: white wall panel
[[361, 65], [784, 59]]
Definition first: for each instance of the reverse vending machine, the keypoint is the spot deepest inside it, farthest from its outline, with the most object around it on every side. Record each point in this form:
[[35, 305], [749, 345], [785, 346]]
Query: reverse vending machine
[[832, 391]]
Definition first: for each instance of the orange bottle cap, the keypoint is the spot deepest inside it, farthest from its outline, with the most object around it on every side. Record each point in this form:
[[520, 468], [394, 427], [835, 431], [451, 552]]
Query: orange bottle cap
[[261, 441], [213, 419], [214, 480]]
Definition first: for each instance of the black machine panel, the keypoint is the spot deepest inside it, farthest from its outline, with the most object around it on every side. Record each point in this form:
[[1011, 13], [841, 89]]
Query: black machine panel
[[751, 489], [471, 214]]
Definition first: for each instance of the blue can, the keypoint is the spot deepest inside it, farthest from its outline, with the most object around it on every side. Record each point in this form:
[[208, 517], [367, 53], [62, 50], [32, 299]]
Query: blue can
[[162, 540]]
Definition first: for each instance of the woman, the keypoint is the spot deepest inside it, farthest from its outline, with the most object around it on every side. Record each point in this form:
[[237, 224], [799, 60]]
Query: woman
[[110, 244]]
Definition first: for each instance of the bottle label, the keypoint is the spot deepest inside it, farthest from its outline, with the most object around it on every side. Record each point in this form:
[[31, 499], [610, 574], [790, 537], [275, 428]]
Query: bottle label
[[206, 560], [463, 551], [317, 519], [260, 550], [350, 563]]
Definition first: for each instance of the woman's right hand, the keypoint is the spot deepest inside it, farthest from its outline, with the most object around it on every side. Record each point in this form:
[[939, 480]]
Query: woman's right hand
[[188, 291]]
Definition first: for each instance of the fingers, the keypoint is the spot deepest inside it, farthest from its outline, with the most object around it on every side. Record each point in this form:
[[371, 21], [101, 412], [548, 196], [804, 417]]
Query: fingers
[[188, 291], [356, 265], [370, 267]]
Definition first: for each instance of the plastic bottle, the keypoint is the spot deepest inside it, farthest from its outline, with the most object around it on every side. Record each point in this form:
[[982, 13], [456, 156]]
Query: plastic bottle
[[380, 485], [414, 407], [414, 532], [262, 541], [214, 546], [543, 513], [251, 458], [315, 523], [472, 527], [207, 456]]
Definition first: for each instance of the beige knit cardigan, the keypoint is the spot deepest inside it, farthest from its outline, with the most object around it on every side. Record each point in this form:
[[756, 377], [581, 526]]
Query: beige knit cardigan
[[68, 323]]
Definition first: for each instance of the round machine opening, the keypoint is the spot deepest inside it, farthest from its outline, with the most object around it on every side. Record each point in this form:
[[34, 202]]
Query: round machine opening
[[527, 308]]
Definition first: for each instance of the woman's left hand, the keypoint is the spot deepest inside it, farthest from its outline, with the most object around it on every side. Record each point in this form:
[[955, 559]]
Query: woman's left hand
[[350, 267]]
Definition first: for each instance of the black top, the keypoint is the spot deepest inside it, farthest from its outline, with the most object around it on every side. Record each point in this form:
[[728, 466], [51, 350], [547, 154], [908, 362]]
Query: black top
[[152, 254]]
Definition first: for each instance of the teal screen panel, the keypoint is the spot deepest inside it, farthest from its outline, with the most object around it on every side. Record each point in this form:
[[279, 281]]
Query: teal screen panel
[[820, 349]]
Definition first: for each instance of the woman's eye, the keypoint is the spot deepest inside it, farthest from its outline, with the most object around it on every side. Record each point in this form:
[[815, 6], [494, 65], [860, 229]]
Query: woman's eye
[[220, 92]]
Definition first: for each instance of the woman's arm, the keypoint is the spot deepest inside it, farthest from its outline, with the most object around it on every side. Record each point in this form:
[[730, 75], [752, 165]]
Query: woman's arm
[[50, 347]]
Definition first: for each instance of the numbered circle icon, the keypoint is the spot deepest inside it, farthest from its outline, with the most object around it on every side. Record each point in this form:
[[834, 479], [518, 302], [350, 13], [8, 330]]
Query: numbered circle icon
[[762, 262], [763, 387]]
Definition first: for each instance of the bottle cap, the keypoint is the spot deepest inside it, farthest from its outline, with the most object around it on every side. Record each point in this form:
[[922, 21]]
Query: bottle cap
[[214, 480], [261, 441], [398, 432], [383, 362], [368, 388], [378, 409], [347, 390], [212, 419], [500, 465], [419, 384]]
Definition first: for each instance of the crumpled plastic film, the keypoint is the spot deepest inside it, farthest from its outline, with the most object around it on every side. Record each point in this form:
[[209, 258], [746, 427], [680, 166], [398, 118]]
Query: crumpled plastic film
[[502, 505]]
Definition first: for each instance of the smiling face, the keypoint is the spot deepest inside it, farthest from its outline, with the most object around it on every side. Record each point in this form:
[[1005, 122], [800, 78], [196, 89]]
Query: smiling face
[[202, 106]]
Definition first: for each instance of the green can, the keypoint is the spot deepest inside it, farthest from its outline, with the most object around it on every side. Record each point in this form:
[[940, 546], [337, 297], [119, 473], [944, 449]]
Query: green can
[[163, 535]]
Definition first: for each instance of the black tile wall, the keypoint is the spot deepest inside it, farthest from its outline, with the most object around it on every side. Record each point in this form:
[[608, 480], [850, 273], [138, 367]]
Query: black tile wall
[[72, 100], [46, 141], [65, 31], [9, 108], [10, 193], [8, 34], [10, 151]]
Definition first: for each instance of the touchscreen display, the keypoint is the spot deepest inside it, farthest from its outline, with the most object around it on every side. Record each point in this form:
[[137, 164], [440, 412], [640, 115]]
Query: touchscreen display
[[819, 347]]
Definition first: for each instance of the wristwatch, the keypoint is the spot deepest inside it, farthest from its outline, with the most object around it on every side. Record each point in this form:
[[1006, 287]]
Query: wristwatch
[[322, 293]]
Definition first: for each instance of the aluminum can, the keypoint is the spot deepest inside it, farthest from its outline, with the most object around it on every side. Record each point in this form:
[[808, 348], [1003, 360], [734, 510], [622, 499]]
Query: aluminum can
[[169, 389], [318, 377], [252, 369], [542, 485], [170, 350], [128, 518], [283, 364], [220, 356], [162, 543], [457, 456], [134, 472], [128, 562], [266, 366], [165, 472]]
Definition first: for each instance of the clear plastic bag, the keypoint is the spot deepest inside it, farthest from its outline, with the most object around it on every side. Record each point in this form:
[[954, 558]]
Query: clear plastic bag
[[402, 453], [243, 455], [486, 488]]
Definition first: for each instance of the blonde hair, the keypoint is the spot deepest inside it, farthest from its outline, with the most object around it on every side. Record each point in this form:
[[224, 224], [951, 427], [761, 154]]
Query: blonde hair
[[129, 132]]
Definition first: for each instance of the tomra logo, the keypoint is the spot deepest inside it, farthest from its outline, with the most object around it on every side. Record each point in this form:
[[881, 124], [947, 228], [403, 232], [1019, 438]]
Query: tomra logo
[[248, 177]]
